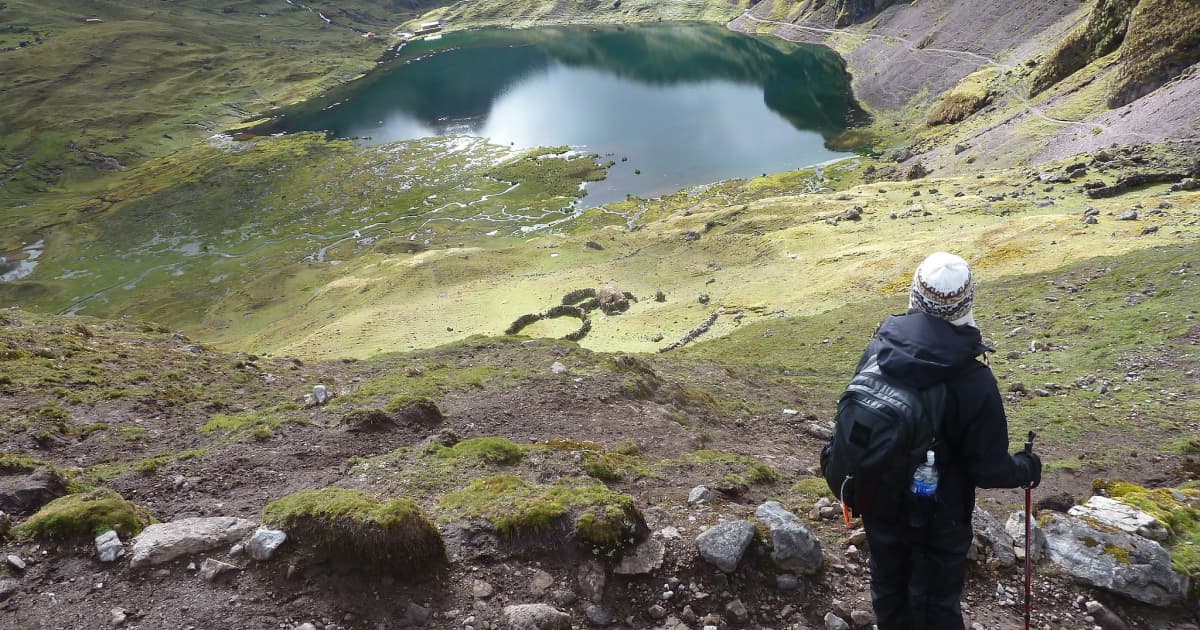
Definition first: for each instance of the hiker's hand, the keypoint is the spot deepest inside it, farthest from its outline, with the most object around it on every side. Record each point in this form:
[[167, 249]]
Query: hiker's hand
[[1032, 464]]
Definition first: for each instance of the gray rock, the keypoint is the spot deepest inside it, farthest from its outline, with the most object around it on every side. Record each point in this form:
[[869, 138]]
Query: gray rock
[[320, 394], [264, 542], [117, 616], [1114, 560], [163, 542], [656, 611], [22, 495], [558, 368], [700, 494], [591, 580], [563, 598], [8, 587], [536, 617], [793, 546], [109, 547], [737, 611], [834, 622], [1123, 517], [642, 559], [787, 582], [993, 537], [415, 615], [481, 589], [862, 618], [211, 569], [305, 626], [5, 524], [1128, 215], [1105, 618], [598, 615], [15, 562], [1090, 220], [722, 545], [540, 582], [1015, 526]]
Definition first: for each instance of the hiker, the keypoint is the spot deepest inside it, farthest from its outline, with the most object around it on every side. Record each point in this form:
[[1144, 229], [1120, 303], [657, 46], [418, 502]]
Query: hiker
[[918, 544]]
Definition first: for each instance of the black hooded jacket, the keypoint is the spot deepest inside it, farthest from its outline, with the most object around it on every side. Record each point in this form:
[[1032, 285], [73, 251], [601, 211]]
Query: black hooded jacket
[[921, 350]]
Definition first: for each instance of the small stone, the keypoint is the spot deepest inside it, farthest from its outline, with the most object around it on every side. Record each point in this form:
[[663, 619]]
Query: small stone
[[787, 582], [643, 559], [1129, 215], [1090, 220], [858, 538], [305, 626], [700, 494], [8, 587], [558, 368], [599, 616], [540, 583], [211, 569], [834, 622], [116, 616], [723, 544], [862, 618], [264, 542], [481, 589], [737, 611], [320, 394], [109, 547], [657, 612], [416, 614], [1149, 229], [591, 579], [15, 562], [536, 617]]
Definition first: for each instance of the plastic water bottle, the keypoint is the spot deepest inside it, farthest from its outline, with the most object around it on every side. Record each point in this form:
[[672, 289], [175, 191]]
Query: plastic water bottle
[[925, 479]]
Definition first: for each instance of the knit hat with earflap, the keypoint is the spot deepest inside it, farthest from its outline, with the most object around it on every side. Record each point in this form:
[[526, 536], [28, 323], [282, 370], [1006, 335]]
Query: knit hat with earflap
[[943, 287]]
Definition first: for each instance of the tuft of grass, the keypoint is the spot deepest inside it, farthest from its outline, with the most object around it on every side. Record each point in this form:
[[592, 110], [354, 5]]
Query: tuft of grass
[[391, 536], [85, 515], [741, 471]]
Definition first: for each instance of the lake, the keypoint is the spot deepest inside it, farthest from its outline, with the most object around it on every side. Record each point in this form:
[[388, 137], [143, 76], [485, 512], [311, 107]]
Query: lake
[[670, 105]]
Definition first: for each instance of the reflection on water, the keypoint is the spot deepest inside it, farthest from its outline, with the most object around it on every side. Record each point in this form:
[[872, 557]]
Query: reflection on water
[[685, 104]]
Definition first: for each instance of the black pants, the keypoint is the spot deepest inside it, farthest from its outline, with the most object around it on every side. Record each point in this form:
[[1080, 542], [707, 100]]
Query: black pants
[[917, 573]]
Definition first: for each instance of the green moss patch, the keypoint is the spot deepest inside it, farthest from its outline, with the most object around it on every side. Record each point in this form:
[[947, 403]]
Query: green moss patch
[[85, 515], [1176, 509], [740, 471], [600, 519], [387, 536], [492, 450]]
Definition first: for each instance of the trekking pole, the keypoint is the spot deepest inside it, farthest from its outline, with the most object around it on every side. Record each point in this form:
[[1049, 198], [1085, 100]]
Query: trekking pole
[[1028, 517]]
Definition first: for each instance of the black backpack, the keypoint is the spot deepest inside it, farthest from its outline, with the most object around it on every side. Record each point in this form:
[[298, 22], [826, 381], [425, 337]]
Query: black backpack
[[882, 431]]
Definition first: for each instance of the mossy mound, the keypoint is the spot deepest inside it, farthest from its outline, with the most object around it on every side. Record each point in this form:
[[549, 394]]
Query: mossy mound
[[367, 420], [1163, 40], [414, 410], [966, 98], [84, 515], [337, 523], [601, 520], [492, 450], [740, 471]]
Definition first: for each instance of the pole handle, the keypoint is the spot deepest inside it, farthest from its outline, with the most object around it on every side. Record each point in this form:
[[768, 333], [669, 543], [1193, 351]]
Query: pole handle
[[1029, 442]]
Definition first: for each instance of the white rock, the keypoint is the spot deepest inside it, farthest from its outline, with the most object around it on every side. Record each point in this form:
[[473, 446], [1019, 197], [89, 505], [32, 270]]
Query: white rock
[[163, 542], [210, 569], [1015, 526], [834, 622], [320, 394], [700, 494], [264, 542], [558, 368], [1123, 517], [109, 547], [15, 562], [536, 617]]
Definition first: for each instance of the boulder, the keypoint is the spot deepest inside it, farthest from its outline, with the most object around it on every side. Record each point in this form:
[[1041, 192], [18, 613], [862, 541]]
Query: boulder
[[109, 547], [264, 542], [723, 544], [164, 542], [700, 494], [25, 494], [1113, 560], [642, 559], [793, 546], [1123, 517], [1015, 526], [536, 617], [991, 536]]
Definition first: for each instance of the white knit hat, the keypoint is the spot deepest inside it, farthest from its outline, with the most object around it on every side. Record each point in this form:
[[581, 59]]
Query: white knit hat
[[943, 287]]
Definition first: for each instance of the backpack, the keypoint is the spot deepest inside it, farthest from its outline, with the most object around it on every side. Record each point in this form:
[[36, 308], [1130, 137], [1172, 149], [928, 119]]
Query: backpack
[[881, 433]]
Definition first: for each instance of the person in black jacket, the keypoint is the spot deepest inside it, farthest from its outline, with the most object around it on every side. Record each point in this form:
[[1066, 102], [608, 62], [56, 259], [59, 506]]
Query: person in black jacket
[[918, 561]]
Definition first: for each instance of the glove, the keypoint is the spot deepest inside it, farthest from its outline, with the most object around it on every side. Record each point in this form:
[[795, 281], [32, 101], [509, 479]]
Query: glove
[[1031, 465]]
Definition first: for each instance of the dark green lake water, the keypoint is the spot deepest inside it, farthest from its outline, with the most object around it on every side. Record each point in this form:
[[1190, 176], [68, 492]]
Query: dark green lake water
[[685, 104]]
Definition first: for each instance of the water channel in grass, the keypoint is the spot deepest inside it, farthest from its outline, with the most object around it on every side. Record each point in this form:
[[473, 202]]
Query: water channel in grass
[[671, 105]]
